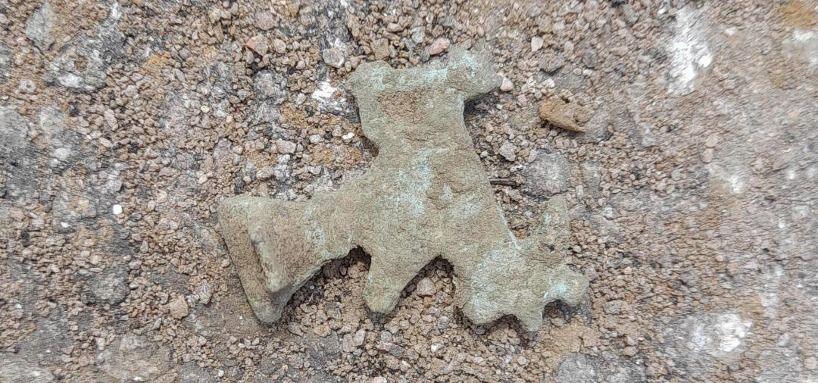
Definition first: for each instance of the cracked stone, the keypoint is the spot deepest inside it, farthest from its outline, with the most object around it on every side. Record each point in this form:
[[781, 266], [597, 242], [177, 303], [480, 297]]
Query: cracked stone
[[426, 181]]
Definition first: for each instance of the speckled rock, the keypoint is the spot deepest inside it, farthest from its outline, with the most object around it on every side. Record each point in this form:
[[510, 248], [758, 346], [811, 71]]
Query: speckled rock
[[14, 369], [40, 26], [84, 63], [549, 174], [5, 62], [133, 358], [425, 195]]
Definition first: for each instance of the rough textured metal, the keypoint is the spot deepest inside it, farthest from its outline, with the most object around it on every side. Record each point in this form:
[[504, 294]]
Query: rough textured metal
[[426, 195]]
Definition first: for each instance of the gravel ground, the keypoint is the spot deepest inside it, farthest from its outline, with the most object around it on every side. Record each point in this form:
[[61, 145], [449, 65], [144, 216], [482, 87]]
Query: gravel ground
[[693, 190]]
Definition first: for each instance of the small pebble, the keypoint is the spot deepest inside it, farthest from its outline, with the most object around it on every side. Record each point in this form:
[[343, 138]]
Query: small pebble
[[536, 43], [425, 287], [506, 85], [508, 151], [257, 44], [334, 57], [178, 307], [279, 46], [285, 147], [811, 363], [438, 46]]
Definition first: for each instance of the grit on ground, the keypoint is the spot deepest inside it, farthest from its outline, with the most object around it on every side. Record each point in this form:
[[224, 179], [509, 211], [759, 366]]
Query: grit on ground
[[691, 191]]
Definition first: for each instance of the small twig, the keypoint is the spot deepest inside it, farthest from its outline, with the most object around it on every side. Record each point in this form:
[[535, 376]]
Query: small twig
[[504, 182]]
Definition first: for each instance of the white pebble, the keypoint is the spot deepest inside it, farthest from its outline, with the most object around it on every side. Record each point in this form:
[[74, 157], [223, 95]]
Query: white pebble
[[425, 287], [507, 85], [536, 43], [508, 151], [117, 209]]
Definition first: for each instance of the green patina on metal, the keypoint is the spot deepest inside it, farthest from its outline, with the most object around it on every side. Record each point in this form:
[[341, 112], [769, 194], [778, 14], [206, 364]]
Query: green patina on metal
[[426, 195]]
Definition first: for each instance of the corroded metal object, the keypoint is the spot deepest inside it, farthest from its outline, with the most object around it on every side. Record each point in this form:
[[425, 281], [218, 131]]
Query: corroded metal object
[[425, 195]]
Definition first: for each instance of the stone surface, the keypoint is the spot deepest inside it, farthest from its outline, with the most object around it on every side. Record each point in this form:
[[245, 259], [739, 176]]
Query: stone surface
[[13, 128], [83, 64], [268, 86], [579, 368], [5, 62], [698, 342], [285, 146], [548, 175], [133, 358], [425, 195], [40, 26], [191, 373], [14, 369], [110, 286], [258, 44], [279, 46]]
